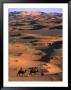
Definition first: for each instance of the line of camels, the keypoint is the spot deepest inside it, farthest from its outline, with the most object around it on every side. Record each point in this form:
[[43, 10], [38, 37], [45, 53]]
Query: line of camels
[[31, 71]]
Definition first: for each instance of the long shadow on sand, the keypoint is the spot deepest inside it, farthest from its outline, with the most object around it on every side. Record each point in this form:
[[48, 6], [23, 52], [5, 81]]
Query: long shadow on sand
[[49, 50]]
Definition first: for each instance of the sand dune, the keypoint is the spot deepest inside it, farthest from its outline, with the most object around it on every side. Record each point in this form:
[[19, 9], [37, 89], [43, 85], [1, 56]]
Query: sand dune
[[35, 40]]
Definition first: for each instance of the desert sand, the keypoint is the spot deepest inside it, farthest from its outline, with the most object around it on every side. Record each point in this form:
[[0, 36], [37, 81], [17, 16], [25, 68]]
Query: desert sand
[[38, 45]]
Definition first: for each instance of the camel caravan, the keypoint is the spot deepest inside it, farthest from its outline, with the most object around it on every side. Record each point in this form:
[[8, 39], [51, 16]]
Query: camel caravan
[[32, 71]]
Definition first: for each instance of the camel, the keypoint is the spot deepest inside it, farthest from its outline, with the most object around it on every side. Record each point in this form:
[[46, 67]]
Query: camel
[[21, 72], [33, 70]]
